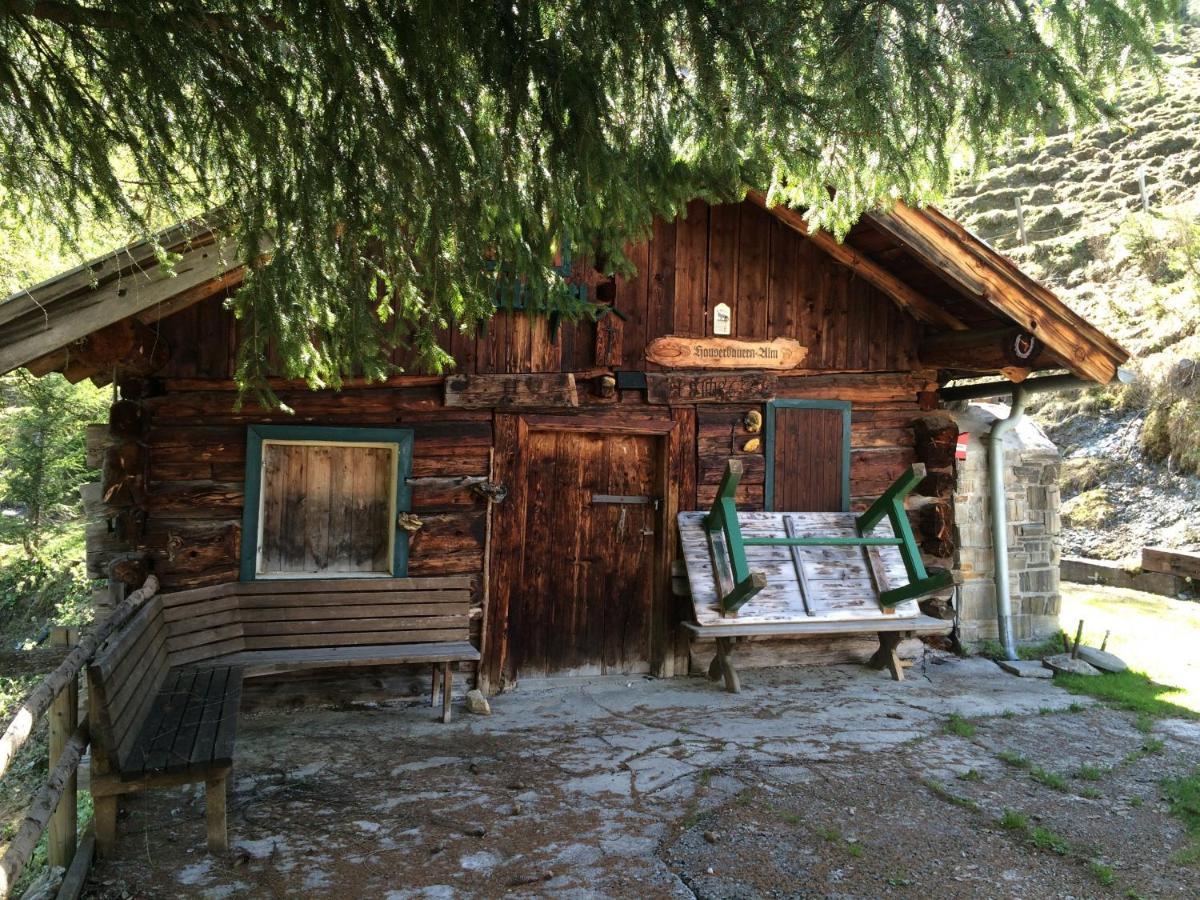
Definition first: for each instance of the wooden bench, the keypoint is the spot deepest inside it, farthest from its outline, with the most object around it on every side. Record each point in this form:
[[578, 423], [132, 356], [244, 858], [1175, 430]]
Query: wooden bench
[[807, 574], [154, 725], [271, 627], [890, 633]]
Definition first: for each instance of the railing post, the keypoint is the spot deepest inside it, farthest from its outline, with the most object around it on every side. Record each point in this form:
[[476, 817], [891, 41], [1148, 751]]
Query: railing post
[[64, 718]]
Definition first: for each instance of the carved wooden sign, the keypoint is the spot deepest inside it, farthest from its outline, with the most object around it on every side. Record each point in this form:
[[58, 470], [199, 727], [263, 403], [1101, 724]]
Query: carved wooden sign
[[725, 353], [666, 387], [511, 391]]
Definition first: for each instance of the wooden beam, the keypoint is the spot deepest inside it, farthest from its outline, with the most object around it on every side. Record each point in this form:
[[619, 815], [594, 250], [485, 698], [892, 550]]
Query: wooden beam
[[994, 281], [511, 391], [1171, 562], [27, 338], [901, 293], [1007, 350]]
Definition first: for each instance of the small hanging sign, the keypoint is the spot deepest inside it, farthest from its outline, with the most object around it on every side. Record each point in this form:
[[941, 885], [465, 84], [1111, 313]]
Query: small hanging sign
[[722, 319], [724, 353]]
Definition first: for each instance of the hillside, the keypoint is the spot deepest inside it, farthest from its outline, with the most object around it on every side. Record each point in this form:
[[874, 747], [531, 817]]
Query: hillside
[[1131, 455]]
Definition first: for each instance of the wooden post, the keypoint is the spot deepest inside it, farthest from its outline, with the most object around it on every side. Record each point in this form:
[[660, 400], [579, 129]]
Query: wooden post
[[1142, 190], [64, 719], [1021, 235], [214, 814], [1078, 640]]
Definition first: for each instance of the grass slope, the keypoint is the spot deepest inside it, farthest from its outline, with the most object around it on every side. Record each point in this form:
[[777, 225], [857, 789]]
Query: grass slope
[[1135, 275]]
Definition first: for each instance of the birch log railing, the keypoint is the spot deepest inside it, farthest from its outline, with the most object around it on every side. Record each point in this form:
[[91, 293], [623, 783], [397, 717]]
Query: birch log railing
[[53, 805]]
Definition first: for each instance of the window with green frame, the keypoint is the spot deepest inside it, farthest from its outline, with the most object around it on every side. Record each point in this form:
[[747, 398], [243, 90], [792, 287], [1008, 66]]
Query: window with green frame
[[807, 456], [322, 502]]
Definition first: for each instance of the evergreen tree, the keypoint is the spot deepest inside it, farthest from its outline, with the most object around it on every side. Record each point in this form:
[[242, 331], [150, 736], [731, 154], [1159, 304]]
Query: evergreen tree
[[42, 452], [389, 149]]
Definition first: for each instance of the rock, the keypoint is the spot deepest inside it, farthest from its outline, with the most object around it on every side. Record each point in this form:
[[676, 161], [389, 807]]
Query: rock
[[1025, 668], [711, 836], [1102, 660], [478, 704], [1063, 663], [1183, 372]]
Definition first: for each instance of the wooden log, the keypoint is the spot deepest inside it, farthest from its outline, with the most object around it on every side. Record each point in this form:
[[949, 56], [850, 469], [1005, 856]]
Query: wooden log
[[31, 662], [76, 875], [1171, 562], [97, 439], [989, 350], [511, 391], [126, 419], [64, 719], [936, 484], [41, 808], [127, 347], [121, 473], [935, 441], [38, 701]]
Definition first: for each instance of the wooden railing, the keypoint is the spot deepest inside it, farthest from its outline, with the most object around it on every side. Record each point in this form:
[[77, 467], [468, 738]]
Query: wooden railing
[[53, 806]]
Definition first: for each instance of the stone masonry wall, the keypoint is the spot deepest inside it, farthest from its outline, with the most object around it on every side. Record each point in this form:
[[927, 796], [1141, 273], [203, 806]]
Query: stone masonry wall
[[1031, 482]]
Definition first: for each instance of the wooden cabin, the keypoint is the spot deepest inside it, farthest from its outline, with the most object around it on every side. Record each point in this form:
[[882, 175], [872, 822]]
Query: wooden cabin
[[546, 470]]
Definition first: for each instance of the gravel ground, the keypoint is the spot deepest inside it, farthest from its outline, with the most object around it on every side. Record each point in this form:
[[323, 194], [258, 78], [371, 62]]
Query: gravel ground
[[831, 782]]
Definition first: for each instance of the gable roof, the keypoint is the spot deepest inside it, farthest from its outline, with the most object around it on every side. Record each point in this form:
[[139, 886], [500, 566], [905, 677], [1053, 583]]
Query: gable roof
[[970, 297]]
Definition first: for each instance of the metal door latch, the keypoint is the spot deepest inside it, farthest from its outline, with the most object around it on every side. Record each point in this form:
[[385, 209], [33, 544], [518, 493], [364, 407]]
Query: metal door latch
[[627, 500]]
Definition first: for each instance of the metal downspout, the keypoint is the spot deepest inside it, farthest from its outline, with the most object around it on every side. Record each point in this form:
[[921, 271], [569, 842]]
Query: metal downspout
[[1000, 518], [1020, 394]]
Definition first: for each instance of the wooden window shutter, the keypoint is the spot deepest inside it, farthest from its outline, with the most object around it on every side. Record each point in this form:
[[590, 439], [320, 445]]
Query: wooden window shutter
[[808, 456], [323, 502]]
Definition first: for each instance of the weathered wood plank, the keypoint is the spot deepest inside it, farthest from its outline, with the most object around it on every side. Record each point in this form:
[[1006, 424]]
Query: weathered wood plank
[[511, 391]]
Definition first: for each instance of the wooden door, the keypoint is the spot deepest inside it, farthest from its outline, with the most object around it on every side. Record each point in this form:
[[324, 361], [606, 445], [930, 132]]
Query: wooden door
[[583, 595], [808, 456]]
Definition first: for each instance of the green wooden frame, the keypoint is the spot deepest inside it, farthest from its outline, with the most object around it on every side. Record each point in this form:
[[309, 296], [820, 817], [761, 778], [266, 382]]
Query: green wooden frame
[[402, 438], [842, 406], [722, 519]]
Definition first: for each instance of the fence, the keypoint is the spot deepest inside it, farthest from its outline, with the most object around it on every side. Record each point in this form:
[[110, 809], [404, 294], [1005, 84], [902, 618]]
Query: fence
[[53, 806]]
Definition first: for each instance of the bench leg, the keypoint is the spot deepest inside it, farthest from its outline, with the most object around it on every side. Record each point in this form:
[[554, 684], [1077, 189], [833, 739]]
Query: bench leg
[[724, 662], [105, 819], [214, 803], [433, 691], [887, 656], [447, 680]]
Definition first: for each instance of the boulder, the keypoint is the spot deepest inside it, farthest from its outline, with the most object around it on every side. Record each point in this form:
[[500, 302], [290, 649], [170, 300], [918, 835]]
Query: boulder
[[1102, 660], [478, 704], [1064, 663]]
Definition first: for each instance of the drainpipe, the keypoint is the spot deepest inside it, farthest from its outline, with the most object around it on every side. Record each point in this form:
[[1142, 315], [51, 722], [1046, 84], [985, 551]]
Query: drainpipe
[[1000, 518], [1018, 399]]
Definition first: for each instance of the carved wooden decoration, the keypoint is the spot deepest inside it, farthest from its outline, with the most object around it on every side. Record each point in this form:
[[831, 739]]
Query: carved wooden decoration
[[682, 389], [511, 391], [724, 353]]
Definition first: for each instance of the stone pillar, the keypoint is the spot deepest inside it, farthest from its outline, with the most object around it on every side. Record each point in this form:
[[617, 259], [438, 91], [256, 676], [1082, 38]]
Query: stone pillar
[[1031, 484]]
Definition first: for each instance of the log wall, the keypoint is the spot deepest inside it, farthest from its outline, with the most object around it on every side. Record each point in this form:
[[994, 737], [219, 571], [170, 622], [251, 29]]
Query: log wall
[[174, 458]]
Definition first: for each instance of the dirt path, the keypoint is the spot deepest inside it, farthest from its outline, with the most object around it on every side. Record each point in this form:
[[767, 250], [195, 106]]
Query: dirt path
[[824, 783]]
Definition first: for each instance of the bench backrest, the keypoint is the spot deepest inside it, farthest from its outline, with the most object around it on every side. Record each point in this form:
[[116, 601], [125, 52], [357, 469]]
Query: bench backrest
[[123, 679], [337, 612]]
